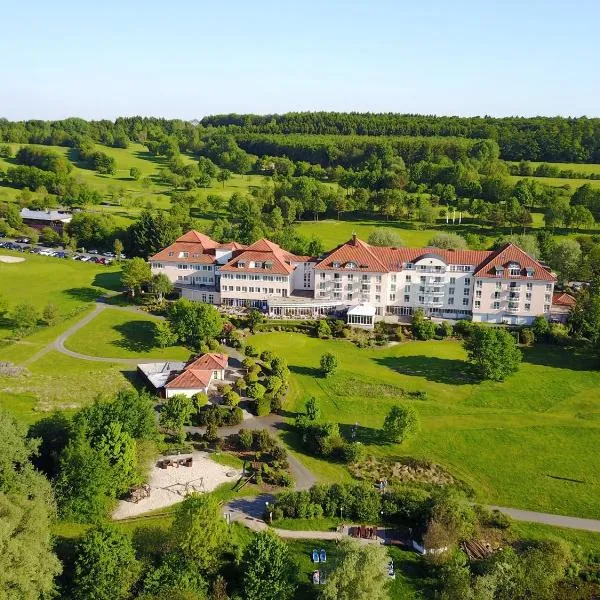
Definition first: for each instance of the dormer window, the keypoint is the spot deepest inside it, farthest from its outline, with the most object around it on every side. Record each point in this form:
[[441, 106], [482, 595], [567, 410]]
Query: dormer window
[[258, 265], [499, 271], [171, 253], [268, 265], [350, 265], [529, 271], [183, 254], [335, 265], [514, 268], [241, 264]]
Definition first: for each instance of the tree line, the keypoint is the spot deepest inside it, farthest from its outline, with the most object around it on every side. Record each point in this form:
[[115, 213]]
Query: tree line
[[555, 139]]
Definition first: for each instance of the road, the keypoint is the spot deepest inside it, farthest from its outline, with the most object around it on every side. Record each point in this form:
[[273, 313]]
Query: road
[[550, 519]]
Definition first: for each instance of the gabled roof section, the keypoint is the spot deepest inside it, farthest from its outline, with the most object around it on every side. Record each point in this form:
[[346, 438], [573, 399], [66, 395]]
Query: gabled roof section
[[563, 299], [509, 253], [264, 251], [198, 238], [354, 255], [199, 372], [192, 247]]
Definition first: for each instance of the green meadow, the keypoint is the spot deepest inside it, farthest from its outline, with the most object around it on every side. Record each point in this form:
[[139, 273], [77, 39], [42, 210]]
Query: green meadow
[[529, 442]]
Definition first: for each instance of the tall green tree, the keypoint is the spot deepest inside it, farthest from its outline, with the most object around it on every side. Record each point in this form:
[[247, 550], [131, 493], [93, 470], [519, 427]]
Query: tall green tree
[[194, 323], [27, 511], [269, 572], [161, 286], [199, 530], [400, 423], [328, 364], [492, 352], [134, 274], [105, 565], [360, 573], [175, 413]]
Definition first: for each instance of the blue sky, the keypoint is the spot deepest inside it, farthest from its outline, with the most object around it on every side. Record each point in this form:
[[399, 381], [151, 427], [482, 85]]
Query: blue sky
[[188, 59]]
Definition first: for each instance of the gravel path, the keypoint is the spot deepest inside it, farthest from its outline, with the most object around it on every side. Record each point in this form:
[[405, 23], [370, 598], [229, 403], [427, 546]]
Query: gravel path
[[550, 519]]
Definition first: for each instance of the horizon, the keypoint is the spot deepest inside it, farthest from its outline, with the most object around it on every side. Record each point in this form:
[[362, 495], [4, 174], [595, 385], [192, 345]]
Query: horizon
[[461, 60]]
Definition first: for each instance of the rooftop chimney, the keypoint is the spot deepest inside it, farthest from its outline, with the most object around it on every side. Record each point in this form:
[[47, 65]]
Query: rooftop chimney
[[354, 238]]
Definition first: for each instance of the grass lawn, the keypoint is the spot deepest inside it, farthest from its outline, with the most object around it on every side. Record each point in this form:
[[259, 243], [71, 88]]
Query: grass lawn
[[569, 184], [578, 167], [530, 442], [69, 284], [59, 382], [122, 334]]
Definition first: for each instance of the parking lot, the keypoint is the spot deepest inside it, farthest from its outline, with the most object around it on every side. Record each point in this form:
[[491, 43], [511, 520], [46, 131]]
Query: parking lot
[[25, 245]]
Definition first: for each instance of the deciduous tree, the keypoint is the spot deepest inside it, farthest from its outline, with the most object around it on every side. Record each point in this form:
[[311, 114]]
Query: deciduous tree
[[400, 423], [493, 353]]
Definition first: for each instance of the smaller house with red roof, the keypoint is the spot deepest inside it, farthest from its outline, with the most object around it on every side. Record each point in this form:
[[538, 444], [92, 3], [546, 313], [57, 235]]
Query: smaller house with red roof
[[562, 307], [187, 379]]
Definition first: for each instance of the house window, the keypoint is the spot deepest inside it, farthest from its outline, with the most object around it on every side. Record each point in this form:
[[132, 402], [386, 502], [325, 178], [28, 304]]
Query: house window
[[528, 307], [496, 295], [451, 291], [546, 308], [498, 285], [377, 298], [407, 288], [392, 297], [547, 298], [406, 298], [350, 276], [349, 296], [467, 281], [465, 302], [421, 299], [496, 305], [528, 296], [335, 265], [478, 294], [408, 279], [479, 283], [477, 304], [336, 275], [530, 286], [450, 301], [322, 275], [548, 287], [423, 279], [466, 292]]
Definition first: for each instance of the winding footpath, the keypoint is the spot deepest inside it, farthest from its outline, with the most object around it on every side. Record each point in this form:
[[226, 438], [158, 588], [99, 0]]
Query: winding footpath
[[250, 510]]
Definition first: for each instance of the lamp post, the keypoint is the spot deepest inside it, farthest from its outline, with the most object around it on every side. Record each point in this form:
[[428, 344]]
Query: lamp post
[[270, 512]]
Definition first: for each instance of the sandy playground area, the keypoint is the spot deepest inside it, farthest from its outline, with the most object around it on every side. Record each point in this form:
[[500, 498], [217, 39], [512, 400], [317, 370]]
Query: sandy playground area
[[11, 259], [170, 486]]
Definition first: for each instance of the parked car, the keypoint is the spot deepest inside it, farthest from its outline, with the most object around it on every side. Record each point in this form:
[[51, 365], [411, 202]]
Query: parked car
[[24, 240], [109, 254], [93, 252]]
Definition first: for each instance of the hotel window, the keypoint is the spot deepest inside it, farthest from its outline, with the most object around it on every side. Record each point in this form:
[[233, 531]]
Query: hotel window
[[465, 302], [237, 288], [498, 285], [393, 287], [203, 297], [392, 297], [546, 308], [528, 307], [530, 286], [547, 298], [452, 280], [406, 298], [349, 296], [467, 281], [528, 296], [408, 279], [496, 305], [478, 294], [514, 269], [548, 287], [211, 299], [337, 295], [466, 292], [421, 299], [377, 298], [394, 277], [407, 288], [497, 295], [479, 283], [378, 278], [477, 304], [335, 265], [450, 301], [423, 279], [365, 278], [451, 291], [377, 288], [336, 275], [350, 276], [410, 266], [322, 275]]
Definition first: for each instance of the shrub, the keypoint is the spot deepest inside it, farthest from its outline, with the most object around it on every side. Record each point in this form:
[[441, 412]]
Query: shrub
[[250, 350], [526, 336], [353, 452], [463, 328], [211, 433], [199, 400], [400, 423], [236, 416], [262, 440], [231, 398], [323, 329], [263, 407], [445, 329], [267, 356], [240, 384], [256, 391], [244, 439], [422, 328], [328, 364], [248, 363]]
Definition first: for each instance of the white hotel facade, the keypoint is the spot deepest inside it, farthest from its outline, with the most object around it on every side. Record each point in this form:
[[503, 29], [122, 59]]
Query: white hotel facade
[[365, 282]]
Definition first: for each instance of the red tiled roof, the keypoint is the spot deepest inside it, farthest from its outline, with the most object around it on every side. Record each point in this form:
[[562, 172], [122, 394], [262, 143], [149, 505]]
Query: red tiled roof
[[264, 251], [563, 299], [199, 247], [513, 254], [198, 373], [198, 238], [379, 259]]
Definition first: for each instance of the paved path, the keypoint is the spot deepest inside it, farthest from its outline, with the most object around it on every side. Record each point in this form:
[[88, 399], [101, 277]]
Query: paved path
[[59, 343], [550, 519]]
